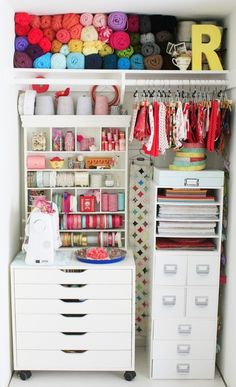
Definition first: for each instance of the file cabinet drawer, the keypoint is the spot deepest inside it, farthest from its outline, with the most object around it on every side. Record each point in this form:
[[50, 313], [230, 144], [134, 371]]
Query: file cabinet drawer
[[169, 301], [203, 270], [191, 369], [202, 302], [170, 270], [182, 350]]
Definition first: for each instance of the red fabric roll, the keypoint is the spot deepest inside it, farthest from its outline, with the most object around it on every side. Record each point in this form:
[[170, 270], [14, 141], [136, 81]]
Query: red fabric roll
[[21, 30], [57, 22], [63, 36], [119, 40], [22, 18], [75, 31], [69, 20], [35, 21], [49, 33], [133, 23], [46, 21], [35, 35], [45, 44]]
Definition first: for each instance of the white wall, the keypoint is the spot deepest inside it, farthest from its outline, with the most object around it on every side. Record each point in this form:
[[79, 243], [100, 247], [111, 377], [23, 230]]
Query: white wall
[[9, 194]]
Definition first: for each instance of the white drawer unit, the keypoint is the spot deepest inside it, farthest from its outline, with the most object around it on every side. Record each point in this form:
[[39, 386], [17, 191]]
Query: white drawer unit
[[185, 269], [73, 316]]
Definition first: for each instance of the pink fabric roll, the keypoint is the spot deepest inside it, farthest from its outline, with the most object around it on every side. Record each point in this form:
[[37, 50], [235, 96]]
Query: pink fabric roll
[[45, 21], [104, 202], [133, 23], [112, 202], [56, 22], [101, 105], [119, 40], [100, 20], [104, 34], [86, 19], [75, 31], [69, 20], [63, 36]]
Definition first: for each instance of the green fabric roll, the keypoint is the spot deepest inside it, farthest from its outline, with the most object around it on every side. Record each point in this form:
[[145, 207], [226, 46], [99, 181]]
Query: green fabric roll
[[134, 38]]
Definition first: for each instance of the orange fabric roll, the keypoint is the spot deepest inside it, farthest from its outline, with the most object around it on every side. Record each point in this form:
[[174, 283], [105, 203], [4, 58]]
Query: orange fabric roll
[[69, 20], [35, 21], [56, 46], [63, 35], [49, 33], [75, 31], [46, 21], [57, 22]]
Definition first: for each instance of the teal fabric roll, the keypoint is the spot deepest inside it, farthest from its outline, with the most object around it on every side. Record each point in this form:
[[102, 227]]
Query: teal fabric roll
[[123, 64], [110, 62], [58, 61], [137, 62], [43, 62], [75, 60]]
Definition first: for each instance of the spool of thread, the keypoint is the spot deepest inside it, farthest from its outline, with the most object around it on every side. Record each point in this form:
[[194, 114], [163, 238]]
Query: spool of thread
[[121, 201], [92, 240], [101, 105], [65, 105], [185, 30], [44, 105], [84, 105], [112, 202], [104, 201], [96, 180]]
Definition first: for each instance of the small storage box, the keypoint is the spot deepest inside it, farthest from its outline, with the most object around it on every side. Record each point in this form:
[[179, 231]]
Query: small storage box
[[211, 178], [36, 162]]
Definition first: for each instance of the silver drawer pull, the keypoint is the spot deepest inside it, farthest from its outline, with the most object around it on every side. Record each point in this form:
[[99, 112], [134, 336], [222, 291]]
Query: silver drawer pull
[[185, 329], [183, 368], [73, 270], [73, 350], [183, 348], [170, 269], [73, 285], [72, 300], [73, 315], [74, 333], [191, 182], [201, 300], [169, 300], [203, 269]]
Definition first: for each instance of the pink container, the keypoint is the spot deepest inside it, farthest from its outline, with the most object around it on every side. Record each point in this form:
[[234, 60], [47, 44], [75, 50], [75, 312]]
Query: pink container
[[112, 202], [105, 202], [36, 162]]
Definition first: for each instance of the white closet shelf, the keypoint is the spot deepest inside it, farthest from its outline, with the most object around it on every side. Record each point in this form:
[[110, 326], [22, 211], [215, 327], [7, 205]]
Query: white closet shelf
[[187, 220], [77, 170], [76, 152], [94, 230], [187, 204], [74, 188]]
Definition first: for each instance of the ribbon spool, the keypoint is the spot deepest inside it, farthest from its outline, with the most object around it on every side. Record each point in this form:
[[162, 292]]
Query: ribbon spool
[[40, 88], [114, 101]]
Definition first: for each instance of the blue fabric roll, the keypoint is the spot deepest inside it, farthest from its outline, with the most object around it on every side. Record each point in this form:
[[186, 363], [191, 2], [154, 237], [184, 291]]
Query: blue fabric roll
[[43, 62], [58, 61], [110, 62], [123, 63], [93, 61], [64, 49], [75, 60], [137, 62]]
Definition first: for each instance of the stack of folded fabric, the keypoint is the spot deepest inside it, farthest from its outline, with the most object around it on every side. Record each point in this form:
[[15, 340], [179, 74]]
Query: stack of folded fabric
[[191, 157], [185, 243]]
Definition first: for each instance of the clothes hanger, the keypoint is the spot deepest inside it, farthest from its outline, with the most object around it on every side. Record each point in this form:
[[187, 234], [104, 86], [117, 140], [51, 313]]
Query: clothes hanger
[[140, 156]]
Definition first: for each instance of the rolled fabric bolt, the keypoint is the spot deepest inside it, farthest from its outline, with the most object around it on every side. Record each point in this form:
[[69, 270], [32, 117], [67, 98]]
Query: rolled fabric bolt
[[100, 20], [119, 40], [22, 18], [148, 49], [21, 43], [110, 62], [35, 21], [35, 35], [105, 50], [49, 33], [57, 22], [123, 64], [90, 48], [75, 60], [56, 46], [45, 21], [117, 21], [137, 62], [21, 30], [45, 44], [63, 36], [161, 23], [93, 61], [137, 48], [75, 45], [58, 61], [101, 105], [34, 51], [133, 23], [88, 34], [43, 62], [125, 53], [86, 19], [22, 60], [75, 31], [65, 49], [147, 38], [153, 62], [145, 24], [104, 34], [69, 20], [164, 36], [134, 38]]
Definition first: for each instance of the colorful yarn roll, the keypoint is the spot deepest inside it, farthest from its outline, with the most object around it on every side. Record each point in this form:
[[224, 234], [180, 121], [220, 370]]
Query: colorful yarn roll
[[56, 46], [21, 43], [49, 33], [43, 62], [134, 38], [45, 21], [145, 24], [57, 22], [153, 62], [123, 64], [69, 20], [35, 21], [21, 30], [86, 19], [104, 34], [147, 38], [125, 53], [100, 20], [137, 62], [22, 18], [110, 62], [45, 44], [65, 49], [133, 23], [75, 31], [90, 48], [75, 60], [117, 21], [22, 60], [58, 61], [75, 45], [34, 51], [88, 34], [164, 36], [35, 35], [63, 35], [119, 40], [148, 49], [105, 50], [137, 48], [93, 61]]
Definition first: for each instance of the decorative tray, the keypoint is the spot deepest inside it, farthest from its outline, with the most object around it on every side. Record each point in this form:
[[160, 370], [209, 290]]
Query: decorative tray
[[100, 255]]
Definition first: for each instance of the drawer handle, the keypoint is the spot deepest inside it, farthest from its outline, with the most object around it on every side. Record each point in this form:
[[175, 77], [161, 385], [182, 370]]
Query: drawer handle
[[169, 300], [189, 182], [201, 301], [74, 333], [183, 368], [73, 300], [203, 269], [183, 348], [73, 350], [73, 315], [185, 329], [170, 269], [73, 285], [73, 270]]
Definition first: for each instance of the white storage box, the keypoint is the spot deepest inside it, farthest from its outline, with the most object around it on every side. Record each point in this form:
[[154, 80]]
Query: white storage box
[[211, 178]]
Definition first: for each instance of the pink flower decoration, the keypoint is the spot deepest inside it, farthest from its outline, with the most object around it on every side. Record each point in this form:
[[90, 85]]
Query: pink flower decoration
[[79, 137]]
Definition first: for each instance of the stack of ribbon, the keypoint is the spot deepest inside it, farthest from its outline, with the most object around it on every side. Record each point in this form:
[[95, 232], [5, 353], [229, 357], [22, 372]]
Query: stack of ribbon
[[191, 157], [78, 41]]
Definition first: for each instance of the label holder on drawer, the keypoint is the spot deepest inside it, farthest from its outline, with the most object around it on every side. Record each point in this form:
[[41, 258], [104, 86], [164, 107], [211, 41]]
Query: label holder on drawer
[[191, 182], [170, 268], [183, 349], [183, 368], [201, 301], [184, 329], [169, 300]]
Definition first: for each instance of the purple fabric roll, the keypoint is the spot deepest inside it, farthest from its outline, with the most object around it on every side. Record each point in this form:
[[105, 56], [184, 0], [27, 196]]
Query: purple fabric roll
[[34, 51], [117, 21], [22, 60], [21, 43]]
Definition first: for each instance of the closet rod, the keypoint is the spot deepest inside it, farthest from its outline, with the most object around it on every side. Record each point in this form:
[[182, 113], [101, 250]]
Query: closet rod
[[177, 82]]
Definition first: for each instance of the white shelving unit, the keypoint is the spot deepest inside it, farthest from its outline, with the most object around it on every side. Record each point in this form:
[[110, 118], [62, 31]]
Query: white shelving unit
[[87, 126]]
